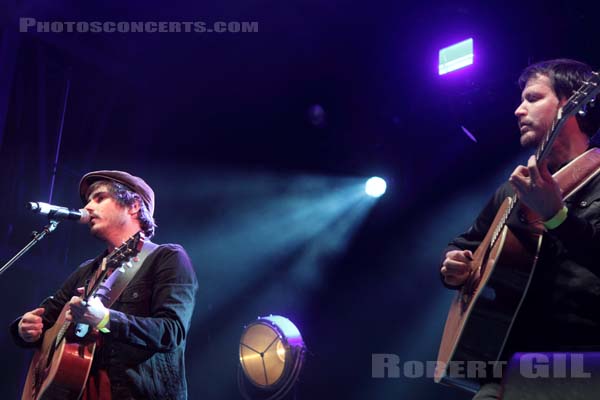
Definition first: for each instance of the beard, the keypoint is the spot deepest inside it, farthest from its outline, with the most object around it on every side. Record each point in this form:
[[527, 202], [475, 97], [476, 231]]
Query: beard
[[530, 139], [534, 135]]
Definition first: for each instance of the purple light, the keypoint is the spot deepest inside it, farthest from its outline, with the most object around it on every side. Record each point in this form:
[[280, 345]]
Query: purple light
[[469, 134], [455, 57]]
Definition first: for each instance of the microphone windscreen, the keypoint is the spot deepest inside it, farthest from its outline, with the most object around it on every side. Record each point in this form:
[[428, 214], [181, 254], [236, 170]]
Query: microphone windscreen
[[85, 216]]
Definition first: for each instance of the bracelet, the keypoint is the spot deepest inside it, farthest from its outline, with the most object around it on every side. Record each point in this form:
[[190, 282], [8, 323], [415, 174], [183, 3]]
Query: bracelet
[[558, 219], [102, 324]]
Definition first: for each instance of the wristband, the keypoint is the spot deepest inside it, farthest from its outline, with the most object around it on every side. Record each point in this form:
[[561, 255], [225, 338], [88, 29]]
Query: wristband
[[558, 218], [102, 324]]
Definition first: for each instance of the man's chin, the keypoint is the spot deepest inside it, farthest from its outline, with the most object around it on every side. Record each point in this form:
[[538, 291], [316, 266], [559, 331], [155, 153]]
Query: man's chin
[[529, 140], [97, 233]]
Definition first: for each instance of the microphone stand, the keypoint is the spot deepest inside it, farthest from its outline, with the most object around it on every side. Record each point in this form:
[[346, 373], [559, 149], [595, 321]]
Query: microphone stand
[[37, 236]]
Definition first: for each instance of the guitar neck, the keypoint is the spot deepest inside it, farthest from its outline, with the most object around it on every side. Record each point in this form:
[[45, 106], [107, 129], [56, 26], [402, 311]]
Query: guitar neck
[[543, 149]]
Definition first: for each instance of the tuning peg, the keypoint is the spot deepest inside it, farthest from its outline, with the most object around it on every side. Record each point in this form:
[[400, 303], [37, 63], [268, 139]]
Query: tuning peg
[[584, 110]]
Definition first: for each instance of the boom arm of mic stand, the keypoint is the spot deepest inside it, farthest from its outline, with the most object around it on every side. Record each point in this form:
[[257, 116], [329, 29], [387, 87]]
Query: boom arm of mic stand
[[36, 238]]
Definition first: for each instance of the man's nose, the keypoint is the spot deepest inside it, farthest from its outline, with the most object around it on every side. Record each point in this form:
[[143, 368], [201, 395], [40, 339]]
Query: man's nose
[[89, 205], [520, 111]]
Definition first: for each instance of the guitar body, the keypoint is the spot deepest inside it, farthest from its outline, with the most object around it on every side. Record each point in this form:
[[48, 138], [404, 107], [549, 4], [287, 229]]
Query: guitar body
[[60, 372], [482, 313]]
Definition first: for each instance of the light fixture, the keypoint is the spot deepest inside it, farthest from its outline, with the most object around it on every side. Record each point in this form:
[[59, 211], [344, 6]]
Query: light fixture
[[271, 357], [456, 56]]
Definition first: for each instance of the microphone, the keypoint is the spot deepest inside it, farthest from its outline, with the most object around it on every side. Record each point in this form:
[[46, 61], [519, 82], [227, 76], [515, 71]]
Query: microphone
[[59, 213]]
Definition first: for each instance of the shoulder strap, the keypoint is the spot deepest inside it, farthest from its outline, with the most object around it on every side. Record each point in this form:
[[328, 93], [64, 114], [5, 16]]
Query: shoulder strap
[[113, 287], [578, 172]]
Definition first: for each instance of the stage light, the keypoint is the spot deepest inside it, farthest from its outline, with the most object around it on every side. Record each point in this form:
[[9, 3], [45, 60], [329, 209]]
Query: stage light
[[456, 56], [271, 357], [375, 187]]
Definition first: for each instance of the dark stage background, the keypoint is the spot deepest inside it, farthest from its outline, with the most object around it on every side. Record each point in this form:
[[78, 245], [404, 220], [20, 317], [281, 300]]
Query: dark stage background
[[263, 191]]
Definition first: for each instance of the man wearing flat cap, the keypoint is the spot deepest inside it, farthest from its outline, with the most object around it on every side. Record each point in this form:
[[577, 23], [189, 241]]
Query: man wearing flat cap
[[140, 353]]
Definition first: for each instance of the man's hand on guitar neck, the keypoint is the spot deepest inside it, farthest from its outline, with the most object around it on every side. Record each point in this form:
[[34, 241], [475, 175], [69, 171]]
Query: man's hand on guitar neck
[[457, 267], [536, 187], [90, 313], [31, 326]]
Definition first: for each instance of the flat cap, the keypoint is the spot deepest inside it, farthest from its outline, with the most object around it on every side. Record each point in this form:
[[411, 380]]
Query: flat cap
[[134, 183]]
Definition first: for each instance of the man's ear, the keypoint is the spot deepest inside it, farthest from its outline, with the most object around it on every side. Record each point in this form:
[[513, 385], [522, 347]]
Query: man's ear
[[134, 208], [562, 101]]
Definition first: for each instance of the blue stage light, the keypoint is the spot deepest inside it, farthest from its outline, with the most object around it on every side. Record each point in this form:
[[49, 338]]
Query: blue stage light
[[375, 187]]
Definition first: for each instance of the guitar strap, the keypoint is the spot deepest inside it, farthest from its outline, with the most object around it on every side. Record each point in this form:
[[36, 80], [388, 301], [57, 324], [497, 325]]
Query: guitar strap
[[110, 290], [578, 172]]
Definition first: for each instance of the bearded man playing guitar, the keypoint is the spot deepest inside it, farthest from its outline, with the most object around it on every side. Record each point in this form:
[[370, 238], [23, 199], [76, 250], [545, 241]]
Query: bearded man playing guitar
[[139, 334], [560, 309]]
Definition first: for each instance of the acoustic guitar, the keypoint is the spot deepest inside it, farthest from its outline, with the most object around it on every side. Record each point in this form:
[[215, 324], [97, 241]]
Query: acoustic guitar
[[60, 367]]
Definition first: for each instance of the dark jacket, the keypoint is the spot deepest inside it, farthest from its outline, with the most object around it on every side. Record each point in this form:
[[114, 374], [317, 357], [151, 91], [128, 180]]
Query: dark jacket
[[149, 325]]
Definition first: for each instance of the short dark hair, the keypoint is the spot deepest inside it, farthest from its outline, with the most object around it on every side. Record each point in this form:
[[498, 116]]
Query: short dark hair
[[566, 76], [126, 198]]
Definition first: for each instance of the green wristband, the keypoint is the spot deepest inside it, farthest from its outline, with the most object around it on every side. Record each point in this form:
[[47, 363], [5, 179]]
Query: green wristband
[[102, 325], [558, 218]]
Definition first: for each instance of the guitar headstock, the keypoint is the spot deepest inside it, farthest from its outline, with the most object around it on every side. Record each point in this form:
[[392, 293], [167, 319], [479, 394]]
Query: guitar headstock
[[578, 103], [126, 251], [583, 97]]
